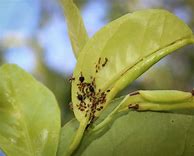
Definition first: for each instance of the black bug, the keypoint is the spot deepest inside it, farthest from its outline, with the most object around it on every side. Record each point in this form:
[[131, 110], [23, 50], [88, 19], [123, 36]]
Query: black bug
[[80, 97], [105, 62], [91, 88], [98, 109], [99, 60], [71, 79], [87, 91], [81, 79]]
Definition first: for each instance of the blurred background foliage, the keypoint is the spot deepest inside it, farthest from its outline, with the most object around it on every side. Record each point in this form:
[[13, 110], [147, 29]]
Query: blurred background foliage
[[33, 34]]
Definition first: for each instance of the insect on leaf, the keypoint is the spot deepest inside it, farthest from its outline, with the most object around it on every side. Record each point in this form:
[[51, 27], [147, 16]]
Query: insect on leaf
[[157, 100], [76, 28], [29, 115], [119, 53], [173, 96], [128, 131]]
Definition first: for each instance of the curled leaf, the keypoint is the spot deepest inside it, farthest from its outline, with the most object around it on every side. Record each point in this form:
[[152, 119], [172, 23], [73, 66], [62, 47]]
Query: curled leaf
[[173, 96], [157, 100], [119, 53]]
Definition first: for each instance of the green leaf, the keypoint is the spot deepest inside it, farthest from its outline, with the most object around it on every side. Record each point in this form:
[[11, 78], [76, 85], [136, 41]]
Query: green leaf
[[145, 134], [120, 52], [132, 121], [68, 132], [157, 100], [143, 100], [29, 115], [110, 108], [76, 28], [61, 87], [166, 96]]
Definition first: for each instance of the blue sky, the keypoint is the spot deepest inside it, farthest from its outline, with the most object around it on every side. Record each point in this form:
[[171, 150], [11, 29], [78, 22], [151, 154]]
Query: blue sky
[[21, 17]]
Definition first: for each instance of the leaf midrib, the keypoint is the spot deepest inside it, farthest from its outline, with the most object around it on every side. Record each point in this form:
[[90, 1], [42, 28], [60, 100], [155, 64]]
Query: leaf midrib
[[124, 71]]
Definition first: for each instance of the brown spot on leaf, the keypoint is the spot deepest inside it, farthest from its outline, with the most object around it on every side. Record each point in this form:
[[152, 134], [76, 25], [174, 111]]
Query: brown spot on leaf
[[134, 93], [133, 106]]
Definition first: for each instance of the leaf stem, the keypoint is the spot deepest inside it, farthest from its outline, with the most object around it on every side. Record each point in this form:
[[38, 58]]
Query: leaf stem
[[77, 139], [109, 118], [165, 107], [141, 104]]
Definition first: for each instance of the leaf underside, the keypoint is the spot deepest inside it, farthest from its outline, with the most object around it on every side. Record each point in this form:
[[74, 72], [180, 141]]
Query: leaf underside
[[146, 134], [137, 134], [132, 44]]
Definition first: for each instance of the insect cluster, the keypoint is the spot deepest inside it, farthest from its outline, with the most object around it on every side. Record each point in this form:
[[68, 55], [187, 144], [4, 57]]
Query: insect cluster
[[101, 64], [90, 98]]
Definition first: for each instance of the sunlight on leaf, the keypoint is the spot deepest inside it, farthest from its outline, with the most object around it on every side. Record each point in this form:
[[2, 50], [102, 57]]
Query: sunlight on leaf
[[76, 28], [119, 53], [29, 115]]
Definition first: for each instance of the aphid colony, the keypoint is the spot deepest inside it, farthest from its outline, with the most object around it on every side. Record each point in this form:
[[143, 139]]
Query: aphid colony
[[90, 98], [100, 64]]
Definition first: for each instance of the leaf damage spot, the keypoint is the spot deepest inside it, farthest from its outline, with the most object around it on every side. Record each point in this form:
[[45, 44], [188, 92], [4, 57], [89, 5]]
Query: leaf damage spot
[[133, 106]]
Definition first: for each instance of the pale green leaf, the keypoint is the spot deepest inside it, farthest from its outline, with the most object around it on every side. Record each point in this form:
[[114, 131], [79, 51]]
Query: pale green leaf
[[29, 115], [157, 100], [143, 100], [76, 28], [110, 108], [61, 88], [136, 132], [123, 50], [68, 132], [166, 96], [145, 134]]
